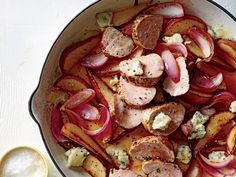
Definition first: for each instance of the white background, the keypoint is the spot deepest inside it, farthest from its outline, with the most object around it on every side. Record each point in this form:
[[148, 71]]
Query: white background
[[28, 28]]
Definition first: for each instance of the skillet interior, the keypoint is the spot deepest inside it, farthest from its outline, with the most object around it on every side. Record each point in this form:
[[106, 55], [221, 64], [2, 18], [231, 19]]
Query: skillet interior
[[207, 10]]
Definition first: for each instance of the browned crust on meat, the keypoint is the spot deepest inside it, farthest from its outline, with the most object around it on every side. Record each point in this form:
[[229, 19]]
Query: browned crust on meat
[[115, 44], [159, 97], [153, 147], [141, 80], [158, 167], [126, 116], [146, 30], [172, 109]]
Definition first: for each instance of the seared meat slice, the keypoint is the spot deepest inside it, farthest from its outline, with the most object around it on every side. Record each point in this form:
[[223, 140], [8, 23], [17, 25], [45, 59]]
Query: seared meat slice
[[153, 147], [173, 110], [151, 70], [122, 173], [126, 116], [115, 44], [136, 96], [146, 30], [157, 168]]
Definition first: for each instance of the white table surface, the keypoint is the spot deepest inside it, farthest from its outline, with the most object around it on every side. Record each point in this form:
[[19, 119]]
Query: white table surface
[[28, 28]]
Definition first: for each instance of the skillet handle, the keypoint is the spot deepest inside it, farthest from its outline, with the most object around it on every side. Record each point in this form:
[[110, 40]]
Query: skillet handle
[[31, 107]]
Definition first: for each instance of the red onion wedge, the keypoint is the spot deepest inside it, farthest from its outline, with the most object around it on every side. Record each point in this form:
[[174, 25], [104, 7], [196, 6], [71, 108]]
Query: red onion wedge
[[94, 61], [207, 68], [87, 112], [231, 140], [221, 101], [203, 40], [227, 171], [196, 98], [229, 77], [167, 10], [177, 49], [57, 123], [104, 124], [212, 171], [206, 83], [221, 63], [171, 66], [82, 97], [221, 164], [194, 170], [105, 131]]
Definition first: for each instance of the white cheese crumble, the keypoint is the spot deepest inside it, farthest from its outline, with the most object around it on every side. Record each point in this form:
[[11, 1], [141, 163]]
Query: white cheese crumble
[[197, 121], [218, 31], [176, 38], [76, 156], [184, 154], [198, 132], [199, 118], [134, 67], [119, 154], [232, 107], [217, 156], [161, 121]]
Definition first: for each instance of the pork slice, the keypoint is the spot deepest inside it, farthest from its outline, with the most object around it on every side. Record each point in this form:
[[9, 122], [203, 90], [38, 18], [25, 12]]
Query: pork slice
[[175, 111], [159, 97], [181, 87], [153, 68], [146, 30], [115, 44], [135, 96], [122, 173], [126, 116], [158, 168], [153, 147]]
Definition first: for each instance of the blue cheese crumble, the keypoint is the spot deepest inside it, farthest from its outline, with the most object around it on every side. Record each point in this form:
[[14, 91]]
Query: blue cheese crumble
[[184, 154], [161, 121], [198, 120], [218, 31], [76, 156], [118, 154], [217, 156]]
